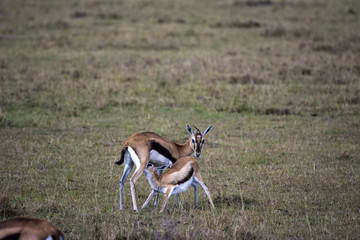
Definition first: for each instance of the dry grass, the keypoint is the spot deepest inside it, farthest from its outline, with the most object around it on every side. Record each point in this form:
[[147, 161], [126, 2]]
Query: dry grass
[[279, 80]]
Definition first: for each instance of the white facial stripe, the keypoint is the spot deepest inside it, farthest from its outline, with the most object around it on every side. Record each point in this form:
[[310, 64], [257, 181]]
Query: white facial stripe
[[49, 238], [198, 140]]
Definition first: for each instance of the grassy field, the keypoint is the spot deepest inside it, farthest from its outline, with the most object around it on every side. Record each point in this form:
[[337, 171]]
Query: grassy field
[[278, 79]]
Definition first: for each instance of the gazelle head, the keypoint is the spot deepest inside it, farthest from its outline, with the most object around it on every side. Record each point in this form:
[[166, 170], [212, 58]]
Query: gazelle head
[[197, 139], [151, 169]]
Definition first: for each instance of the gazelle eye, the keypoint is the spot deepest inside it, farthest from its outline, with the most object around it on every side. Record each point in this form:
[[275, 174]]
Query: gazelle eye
[[202, 141], [193, 141]]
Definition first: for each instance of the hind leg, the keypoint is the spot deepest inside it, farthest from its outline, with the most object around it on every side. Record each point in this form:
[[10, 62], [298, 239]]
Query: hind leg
[[128, 167], [133, 180], [148, 199], [199, 180], [140, 159]]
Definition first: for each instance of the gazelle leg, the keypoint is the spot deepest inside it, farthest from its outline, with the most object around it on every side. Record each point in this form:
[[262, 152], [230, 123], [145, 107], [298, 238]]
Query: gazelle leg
[[133, 180], [156, 199], [148, 199], [128, 167], [159, 172], [195, 186], [166, 198], [202, 184], [144, 156], [178, 199]]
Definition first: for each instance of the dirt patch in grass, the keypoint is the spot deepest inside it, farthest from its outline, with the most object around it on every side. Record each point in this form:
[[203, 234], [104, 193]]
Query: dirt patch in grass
[[337, 46], [256, 3], [79, 14], [278, 111], [282, 30], [245, 79], [237, 24], [168, 19]]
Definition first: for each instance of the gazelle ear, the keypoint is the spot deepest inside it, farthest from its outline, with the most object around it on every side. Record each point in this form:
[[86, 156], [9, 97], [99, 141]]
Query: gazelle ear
[[207, 130], [189, 129], [162, 168]]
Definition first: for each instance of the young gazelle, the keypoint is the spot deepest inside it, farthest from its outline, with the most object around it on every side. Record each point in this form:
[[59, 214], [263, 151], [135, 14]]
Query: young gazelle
[[177, 179], [148, 147], [29, 228]]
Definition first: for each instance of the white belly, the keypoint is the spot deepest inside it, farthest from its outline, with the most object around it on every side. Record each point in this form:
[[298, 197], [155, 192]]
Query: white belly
[[159, 160], [183, 186], [179, 188]]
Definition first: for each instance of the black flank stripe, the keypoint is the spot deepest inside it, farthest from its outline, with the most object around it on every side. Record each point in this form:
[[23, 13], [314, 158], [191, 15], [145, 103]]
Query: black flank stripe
[[15, 236], [187, 177], [163, 151]]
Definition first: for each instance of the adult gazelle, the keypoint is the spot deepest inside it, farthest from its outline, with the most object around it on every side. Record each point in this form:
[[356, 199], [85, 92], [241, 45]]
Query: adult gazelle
[[148, 147]]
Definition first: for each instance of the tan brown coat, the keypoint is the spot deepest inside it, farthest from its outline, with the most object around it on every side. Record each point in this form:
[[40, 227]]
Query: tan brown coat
[[148, 147], [29, 228], [184, 173]]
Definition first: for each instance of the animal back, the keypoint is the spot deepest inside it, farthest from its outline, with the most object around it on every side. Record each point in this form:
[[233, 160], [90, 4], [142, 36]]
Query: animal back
[[177, 174]]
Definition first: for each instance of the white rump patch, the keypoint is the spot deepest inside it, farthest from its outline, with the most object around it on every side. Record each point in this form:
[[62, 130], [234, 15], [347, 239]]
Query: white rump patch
[[134, 157]]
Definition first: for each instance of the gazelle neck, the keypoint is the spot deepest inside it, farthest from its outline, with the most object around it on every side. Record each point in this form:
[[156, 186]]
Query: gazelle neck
[[153, 179], [185, 149]]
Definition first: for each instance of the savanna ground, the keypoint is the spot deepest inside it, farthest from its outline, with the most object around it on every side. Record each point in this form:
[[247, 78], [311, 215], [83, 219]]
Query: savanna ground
[[279, 80]]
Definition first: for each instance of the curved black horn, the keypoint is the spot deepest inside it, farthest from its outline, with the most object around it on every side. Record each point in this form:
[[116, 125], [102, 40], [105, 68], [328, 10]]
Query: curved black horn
[[197, 129]]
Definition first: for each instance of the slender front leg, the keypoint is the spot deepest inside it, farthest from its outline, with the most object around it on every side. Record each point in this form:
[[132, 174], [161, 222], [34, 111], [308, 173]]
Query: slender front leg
[[166, 198], [148, 199]]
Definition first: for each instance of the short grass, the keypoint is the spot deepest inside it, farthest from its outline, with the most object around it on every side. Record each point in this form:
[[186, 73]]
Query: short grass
[[279, 80]]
